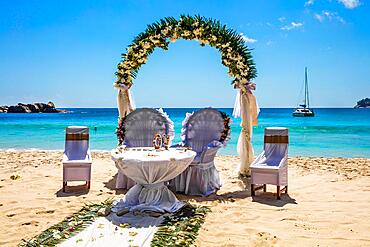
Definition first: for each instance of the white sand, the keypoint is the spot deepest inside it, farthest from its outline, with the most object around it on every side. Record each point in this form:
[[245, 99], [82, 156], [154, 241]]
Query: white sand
[[328, 202]]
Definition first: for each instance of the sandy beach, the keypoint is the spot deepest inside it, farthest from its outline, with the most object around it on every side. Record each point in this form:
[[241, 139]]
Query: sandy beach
[[328, 202]]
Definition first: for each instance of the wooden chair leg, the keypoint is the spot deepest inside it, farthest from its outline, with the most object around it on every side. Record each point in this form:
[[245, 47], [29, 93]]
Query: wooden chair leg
[[253, 193], [64, 186], [278, 192], [286, 189], [264, 188]]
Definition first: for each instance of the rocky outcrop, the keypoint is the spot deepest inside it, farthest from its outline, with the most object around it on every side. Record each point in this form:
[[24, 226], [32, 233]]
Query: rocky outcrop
[[20, 108], [3, 108], [31, 108], [364, 103]]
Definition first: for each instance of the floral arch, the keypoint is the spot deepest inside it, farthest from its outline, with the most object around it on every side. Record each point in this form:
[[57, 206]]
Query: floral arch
[[235, 55]]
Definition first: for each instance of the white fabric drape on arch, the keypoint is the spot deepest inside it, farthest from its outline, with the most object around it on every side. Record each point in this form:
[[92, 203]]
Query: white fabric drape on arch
[[246, 107], [125, 101], [125, 105]]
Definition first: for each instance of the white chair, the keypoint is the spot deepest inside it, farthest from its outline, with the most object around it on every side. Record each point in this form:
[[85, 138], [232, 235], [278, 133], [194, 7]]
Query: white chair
[[271, 166], [205, 131], [77, 158]]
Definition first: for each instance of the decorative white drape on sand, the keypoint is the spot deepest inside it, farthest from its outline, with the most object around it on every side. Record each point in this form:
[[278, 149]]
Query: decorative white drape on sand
[[246, 107]]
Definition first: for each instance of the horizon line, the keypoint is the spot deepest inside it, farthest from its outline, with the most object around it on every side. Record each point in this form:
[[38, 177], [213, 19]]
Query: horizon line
[[319, 107]]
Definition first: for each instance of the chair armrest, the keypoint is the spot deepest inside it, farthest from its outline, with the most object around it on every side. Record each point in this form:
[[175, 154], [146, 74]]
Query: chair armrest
[[88, 158], [259, 159], [215, 144], [283, 162], [65, 157], [210, 152], [88, 155]]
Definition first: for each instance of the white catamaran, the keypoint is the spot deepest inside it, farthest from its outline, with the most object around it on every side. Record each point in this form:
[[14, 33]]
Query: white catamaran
[[304, 109]]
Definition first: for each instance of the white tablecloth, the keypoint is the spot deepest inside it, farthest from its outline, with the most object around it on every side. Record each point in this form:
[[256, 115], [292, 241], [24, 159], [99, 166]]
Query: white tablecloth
[[150, 169]]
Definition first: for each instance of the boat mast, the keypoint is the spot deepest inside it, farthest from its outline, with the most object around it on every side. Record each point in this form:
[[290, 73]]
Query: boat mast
[[306, 97]]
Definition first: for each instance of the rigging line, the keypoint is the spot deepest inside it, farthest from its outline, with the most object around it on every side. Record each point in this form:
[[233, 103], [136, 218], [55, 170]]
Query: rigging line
[[305, 86], [300, 94], [308, 96]]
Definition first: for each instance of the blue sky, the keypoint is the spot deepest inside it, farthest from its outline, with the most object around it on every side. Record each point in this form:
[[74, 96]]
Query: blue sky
[[67, 51]]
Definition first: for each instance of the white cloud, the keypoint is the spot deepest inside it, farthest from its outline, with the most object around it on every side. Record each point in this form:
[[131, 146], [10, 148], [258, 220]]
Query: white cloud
[[247, 39], [327, 15], [296, 24], [292, 25], [282, 19], [319, 17], [309, 3], [350, 4]]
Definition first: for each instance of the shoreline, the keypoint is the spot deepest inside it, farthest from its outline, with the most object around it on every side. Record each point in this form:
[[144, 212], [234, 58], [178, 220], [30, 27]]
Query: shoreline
[[219, 154], [327, 202]]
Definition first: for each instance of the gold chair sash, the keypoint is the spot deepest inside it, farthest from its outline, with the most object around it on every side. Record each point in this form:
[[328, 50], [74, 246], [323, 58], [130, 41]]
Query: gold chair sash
[[276, 139], [77, 137]]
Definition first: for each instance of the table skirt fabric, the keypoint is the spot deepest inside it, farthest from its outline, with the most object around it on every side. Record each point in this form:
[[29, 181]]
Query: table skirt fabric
[[156, 198], [150, 171], [124, 182], [198, 179]]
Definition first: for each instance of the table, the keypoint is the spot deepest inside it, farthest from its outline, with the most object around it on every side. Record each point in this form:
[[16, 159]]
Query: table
[[151, 169]]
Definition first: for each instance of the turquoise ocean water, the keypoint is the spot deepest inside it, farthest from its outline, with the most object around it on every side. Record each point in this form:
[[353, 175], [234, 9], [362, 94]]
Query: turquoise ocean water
[[332, 133]]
